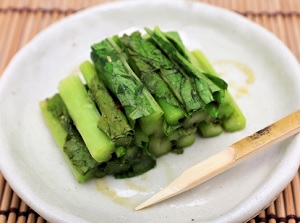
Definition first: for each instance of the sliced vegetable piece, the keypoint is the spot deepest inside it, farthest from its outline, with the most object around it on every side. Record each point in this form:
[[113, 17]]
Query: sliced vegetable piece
[[140, 161], [159, 145], [112, 121], [208, 129], [57, 122], [142, 56], [123, 82], [236, 120], [186, 141], [85, 116], [210, 90]]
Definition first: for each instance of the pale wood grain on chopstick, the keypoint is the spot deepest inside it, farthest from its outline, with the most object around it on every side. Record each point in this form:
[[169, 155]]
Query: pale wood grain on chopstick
[[229, 157]]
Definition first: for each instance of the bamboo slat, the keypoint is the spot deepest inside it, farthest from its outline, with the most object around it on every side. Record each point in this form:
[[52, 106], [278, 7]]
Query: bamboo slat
[[23, 211], [289, 204], [4, 206], [271, 213], [2, 185], [14, 205], [21, 20], [296, 195], [262, 217]]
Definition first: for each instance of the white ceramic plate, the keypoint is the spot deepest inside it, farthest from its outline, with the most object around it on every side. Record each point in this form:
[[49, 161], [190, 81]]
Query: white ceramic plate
[[263, 76]]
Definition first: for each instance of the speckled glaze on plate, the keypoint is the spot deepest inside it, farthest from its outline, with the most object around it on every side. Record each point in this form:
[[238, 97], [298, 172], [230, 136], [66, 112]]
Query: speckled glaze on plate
[[263, 76]]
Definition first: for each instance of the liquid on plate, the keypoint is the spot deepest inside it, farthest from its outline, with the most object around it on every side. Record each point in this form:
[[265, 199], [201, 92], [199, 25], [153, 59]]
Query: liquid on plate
[[132, 191], [240, 76]]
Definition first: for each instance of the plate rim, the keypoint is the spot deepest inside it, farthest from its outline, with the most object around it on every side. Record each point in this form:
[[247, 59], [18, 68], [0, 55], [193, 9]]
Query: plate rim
[[41, 34]]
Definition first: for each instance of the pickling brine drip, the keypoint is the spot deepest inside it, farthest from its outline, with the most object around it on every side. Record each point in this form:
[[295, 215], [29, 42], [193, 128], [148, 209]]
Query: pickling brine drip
[[103, 186], [129, 193], [240, 88]]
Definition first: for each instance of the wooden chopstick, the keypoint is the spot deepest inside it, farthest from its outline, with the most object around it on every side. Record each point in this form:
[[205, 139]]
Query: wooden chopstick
[[228, 158]]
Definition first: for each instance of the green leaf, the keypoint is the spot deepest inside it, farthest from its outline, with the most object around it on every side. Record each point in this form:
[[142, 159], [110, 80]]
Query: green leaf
[[57, 108], [206, 87], [78, 153], [122, 81], [147, 62], [112, 121], [73, 146], [175, 39]]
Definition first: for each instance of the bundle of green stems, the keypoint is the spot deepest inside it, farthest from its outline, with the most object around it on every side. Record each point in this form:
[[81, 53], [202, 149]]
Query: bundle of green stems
[[141, 97]]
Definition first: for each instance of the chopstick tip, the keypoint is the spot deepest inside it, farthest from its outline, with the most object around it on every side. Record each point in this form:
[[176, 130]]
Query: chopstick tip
[[138, 208], [142, 206]]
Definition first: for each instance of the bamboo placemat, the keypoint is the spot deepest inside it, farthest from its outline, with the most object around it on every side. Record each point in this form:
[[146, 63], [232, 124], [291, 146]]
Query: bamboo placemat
[[20, 20]]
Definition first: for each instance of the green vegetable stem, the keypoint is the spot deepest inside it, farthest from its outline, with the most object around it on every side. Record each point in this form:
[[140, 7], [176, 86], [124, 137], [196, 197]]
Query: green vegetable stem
[[210, 89], [233, 118], [112, 120], [116, 73], [67, 138], [142, 55], [143, 97], [85, 115]]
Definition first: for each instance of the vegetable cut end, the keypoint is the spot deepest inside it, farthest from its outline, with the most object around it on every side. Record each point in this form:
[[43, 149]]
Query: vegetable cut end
[[232, 117], [172, 114], [89, 72], [152, 124], [236, 122], [159, 146], [186, 141], [207, 129]]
